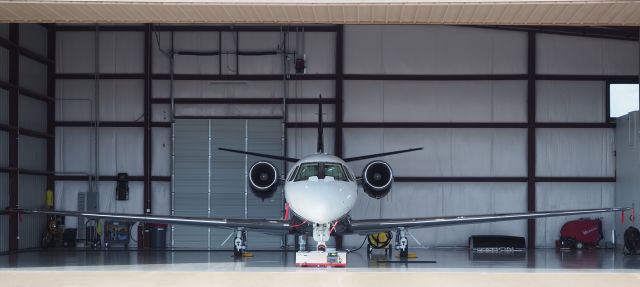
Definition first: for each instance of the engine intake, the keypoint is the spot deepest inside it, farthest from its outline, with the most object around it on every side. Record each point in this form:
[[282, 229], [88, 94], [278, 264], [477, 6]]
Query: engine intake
[[377, 179], [263, 179]]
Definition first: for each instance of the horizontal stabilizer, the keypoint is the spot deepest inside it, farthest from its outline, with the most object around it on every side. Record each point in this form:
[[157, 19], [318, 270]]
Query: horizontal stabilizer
[[289, 159], [348, 159]]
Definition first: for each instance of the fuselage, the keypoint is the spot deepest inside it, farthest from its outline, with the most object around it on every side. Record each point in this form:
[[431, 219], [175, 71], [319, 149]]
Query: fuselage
[[320, 188]]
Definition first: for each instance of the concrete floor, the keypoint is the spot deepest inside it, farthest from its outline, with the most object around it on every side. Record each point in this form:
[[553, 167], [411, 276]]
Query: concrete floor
[[452, 267]]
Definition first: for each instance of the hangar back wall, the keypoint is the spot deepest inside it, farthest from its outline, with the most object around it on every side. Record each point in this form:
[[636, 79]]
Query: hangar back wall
[[510, 120]]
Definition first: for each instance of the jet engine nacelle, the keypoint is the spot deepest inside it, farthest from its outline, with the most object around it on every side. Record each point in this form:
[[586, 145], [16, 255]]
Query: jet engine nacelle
[[263, 179], [377, 179]]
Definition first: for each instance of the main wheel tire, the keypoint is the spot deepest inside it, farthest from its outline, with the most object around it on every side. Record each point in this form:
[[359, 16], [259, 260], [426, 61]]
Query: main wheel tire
[[237, 252], [404, 253]]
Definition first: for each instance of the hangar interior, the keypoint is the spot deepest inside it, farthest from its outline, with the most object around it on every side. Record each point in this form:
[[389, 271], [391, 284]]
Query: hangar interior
[[512, 119]]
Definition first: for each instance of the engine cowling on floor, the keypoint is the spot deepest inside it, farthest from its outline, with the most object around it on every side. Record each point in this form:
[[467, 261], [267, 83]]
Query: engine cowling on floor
[[263, 179], [377, 178]]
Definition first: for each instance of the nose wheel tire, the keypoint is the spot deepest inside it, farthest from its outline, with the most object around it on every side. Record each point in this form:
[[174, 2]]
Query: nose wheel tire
[[321, 247]]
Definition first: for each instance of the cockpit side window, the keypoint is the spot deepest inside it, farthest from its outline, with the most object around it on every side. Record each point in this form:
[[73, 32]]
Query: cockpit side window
[[307, 170], [293, 173], [349, 175]]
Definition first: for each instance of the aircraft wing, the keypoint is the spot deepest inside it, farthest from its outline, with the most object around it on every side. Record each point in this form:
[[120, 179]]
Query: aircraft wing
[[275, 225], [372, 225]]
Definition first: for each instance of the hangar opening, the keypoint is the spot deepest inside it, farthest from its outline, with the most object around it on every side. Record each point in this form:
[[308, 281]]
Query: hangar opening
[[259, 145]]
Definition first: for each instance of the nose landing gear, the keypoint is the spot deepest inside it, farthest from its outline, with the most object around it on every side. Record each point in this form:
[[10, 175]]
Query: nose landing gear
[[323, 256]]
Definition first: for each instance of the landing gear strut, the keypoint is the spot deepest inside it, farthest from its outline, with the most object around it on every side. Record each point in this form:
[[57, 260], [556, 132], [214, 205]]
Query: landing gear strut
[[321, 233], [322, 256], [240, 242], [302, 242], [402, 243]]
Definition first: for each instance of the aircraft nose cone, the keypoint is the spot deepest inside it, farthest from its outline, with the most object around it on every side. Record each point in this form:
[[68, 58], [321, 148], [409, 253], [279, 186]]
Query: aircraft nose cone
[[320, 203]]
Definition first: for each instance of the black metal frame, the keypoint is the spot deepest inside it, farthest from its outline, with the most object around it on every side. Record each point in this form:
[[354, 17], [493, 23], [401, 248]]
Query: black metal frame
[[14, 34], [531, 137]]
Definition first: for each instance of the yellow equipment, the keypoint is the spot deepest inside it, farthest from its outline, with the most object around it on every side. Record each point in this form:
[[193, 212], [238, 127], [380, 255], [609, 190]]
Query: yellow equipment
[[380, 240], [49, 199]]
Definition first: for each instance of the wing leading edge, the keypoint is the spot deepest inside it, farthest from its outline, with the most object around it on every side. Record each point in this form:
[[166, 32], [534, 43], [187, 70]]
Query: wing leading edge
[[254, 224], [369, 225]]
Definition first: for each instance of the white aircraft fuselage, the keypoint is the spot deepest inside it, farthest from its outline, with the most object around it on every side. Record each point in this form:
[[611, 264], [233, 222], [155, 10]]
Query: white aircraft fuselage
[[320, 200]]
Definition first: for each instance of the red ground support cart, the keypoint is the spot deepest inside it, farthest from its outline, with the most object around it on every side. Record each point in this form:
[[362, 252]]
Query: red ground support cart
[[584, 232]]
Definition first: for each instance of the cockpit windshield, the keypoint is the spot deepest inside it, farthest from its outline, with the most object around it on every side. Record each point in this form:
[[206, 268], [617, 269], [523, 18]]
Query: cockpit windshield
[[306, 171], [321, 170], [334, 170]]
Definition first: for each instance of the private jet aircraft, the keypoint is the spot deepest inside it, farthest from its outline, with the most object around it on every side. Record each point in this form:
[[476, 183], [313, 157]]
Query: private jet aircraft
[[320, 190]]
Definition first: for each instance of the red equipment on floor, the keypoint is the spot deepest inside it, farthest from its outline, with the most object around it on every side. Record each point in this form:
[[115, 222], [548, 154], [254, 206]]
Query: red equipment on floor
[[580, 233]]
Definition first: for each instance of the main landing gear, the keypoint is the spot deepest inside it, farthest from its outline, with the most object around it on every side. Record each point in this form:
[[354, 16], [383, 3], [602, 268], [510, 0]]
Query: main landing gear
[[402, 243], [240, 243]]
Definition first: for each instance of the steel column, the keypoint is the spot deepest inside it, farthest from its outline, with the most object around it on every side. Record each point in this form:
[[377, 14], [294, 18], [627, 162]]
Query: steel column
[[51, 89], [147, 119], [531, 138], [13, 136], [339, 111]]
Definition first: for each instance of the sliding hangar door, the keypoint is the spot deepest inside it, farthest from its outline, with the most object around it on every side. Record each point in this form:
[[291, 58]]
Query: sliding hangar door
[[213, 183]]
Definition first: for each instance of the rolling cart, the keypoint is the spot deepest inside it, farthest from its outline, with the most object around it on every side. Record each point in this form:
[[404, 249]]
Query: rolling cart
[[116, 232]]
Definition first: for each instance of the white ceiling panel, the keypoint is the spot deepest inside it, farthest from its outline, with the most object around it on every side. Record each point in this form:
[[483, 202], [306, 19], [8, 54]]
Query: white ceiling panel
[[496, 12]]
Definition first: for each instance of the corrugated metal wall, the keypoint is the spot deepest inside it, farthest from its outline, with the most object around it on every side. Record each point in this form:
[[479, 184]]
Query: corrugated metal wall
[[32, 151], [209, 182], [33, 75], [402, 50], [4, 64], [4, 148], [33, 37], [31, 195], [4, 104], [32, 114], [191, 181], [4, 30]]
